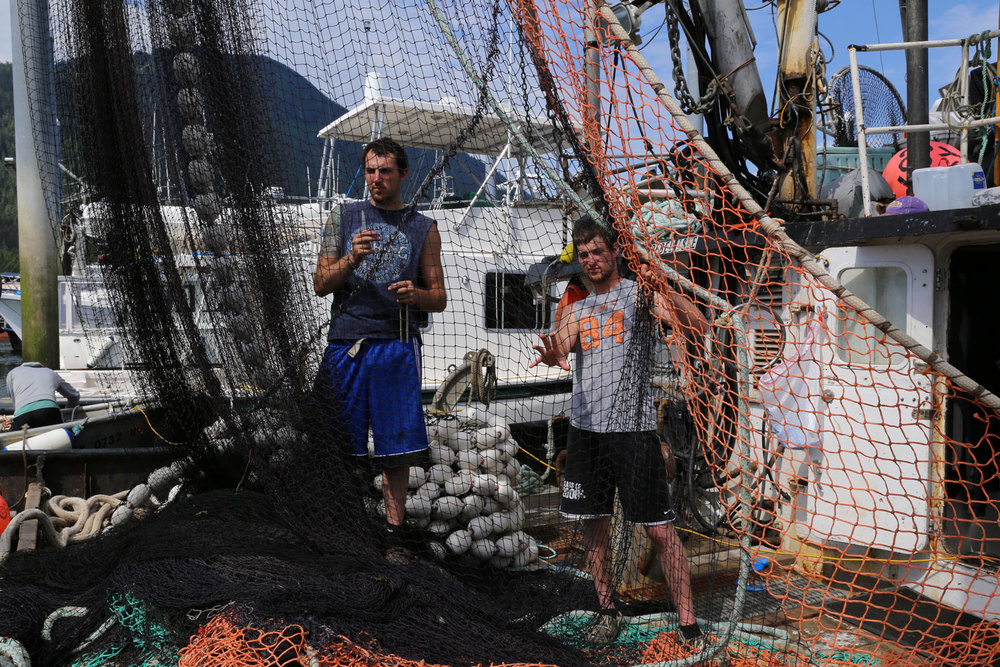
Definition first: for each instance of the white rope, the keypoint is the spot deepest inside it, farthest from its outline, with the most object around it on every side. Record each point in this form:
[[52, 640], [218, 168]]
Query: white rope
[[13, 653], [7, 539], [59, 614], [81, 518]]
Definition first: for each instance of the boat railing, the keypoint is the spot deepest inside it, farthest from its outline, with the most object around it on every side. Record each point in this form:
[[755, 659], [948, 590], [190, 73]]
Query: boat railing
[[963, 127]]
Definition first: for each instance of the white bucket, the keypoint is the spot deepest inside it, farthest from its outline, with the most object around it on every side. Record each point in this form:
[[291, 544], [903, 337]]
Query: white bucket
[[49, 441]]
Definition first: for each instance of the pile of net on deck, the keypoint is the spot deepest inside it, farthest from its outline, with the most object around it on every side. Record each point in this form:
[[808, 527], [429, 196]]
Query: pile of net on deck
[[271, 552]]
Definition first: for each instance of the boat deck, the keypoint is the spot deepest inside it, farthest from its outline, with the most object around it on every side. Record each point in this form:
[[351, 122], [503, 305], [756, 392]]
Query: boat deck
[[785, 613]]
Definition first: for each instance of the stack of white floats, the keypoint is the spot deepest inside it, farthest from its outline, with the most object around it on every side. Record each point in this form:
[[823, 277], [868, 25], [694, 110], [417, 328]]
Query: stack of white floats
[[466, 499]]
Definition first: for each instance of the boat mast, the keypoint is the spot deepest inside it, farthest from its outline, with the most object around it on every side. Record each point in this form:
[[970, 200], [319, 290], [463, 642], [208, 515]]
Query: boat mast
[[918, 148], [31, 47], [797, 91], [729, 36], [592, 75]]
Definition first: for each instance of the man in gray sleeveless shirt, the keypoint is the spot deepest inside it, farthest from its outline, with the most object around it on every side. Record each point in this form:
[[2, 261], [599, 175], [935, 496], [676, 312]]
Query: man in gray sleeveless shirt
[[613, 446], [381, 261]]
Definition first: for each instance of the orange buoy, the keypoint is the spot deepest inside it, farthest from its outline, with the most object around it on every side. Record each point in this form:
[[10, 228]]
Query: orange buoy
[[4, 514]]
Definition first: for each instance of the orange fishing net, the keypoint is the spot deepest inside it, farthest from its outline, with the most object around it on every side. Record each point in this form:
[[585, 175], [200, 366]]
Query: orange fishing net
[[221, 642], [836, 443]]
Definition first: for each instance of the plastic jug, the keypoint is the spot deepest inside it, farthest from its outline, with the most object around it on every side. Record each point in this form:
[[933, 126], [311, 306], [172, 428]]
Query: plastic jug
[[943, 188]]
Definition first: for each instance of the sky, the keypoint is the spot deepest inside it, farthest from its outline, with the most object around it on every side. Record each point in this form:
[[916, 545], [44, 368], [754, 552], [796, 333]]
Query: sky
[[850, 21], [856, 22]]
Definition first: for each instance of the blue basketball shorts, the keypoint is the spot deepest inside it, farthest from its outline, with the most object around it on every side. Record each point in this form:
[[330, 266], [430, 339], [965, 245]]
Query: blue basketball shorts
[[379, 388]]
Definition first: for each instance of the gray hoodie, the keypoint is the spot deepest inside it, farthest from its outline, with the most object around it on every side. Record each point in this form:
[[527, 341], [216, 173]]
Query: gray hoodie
[[32, 382]]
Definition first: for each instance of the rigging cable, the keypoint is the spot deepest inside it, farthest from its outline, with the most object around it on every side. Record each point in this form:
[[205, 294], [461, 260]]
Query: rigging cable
[[878, 37]]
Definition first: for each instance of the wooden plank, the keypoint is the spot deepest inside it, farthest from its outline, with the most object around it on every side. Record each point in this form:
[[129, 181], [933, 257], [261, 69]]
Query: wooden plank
[[27, 536]]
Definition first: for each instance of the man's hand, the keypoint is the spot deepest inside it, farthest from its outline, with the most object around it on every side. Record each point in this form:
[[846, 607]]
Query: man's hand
[[406, 292], [361, 245], [548, 353], [647, 275], [671, 305]]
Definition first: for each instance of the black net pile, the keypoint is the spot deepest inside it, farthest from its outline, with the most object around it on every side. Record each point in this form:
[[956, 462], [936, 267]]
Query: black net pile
[[195, 134], [237, 552]]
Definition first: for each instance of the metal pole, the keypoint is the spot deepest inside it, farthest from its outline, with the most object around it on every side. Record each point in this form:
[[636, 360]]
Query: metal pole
[[963, 74], [918, 45], [482, 186], [34, 120], [996, 131], [918, 149], [859, 118], [796, 71], [725, 22], [964, 124]]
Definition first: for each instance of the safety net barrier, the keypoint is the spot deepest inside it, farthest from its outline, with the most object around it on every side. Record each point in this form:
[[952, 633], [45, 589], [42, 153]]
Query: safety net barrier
[[828, 481]]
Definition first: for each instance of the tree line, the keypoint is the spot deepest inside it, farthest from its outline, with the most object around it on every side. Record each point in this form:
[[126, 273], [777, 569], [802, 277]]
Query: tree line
[[8, 194]]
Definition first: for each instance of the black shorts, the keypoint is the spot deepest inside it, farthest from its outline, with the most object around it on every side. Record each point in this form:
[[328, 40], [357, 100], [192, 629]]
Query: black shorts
[[36, 418], [597, 463]]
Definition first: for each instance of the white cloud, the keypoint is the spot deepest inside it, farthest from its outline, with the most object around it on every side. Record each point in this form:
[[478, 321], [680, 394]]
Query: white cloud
[[960, 20], [951, 22]]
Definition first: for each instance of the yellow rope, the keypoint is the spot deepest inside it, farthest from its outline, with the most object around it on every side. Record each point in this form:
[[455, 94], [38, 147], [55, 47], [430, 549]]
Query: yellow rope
[[437, 413], [536, 458], [153, 429]]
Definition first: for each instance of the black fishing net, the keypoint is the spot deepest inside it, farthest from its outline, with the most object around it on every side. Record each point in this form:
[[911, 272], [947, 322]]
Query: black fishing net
[[236, 550], [206, 162]]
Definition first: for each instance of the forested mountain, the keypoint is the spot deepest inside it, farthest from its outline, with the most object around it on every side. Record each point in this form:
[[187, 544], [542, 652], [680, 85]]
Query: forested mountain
[[8, 196], [297, 111]]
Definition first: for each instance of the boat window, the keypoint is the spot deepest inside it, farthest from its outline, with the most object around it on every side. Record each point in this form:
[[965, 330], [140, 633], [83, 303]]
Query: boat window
[[511, 305], [84, 304], [884, 288]]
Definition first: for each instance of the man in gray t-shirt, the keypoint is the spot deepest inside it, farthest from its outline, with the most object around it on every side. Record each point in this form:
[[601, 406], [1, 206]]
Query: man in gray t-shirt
[[609, 448]]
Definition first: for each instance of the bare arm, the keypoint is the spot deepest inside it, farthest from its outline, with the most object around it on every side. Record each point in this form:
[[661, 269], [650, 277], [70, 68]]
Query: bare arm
[[331, 273], [556, 346], [673, 307], [332, 270], [432, 297]]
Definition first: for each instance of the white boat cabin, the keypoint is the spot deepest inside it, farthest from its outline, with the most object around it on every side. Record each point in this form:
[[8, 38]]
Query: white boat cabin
[[933, 275]]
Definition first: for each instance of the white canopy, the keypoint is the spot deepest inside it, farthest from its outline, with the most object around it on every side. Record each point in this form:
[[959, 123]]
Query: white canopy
[[433, 125]]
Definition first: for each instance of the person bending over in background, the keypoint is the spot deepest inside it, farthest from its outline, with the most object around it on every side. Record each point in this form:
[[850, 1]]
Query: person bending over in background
[[32, 388]]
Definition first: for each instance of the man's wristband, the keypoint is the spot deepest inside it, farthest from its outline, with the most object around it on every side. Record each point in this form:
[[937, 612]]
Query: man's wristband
[[354, 267]]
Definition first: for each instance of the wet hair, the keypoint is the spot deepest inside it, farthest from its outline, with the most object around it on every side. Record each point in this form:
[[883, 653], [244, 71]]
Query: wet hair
[[385, 146], [586, 229]]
